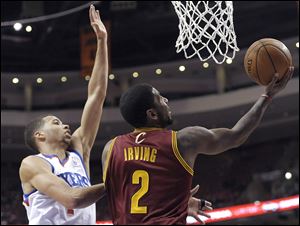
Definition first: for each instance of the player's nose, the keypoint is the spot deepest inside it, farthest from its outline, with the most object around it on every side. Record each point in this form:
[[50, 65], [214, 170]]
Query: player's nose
[[66, 126]]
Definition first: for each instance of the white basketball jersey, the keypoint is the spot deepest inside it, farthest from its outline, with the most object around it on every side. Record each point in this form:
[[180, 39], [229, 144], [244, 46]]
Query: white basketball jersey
[[42, 209]]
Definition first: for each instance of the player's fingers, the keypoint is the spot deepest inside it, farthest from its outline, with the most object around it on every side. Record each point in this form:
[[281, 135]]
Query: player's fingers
[[94, 13], [198, 218], [274, 80], [276, 77], [98, 15], [291, 72], [207, 208], [194, 190], [90, 14], [208, 204], [203, 214], [288, 76]]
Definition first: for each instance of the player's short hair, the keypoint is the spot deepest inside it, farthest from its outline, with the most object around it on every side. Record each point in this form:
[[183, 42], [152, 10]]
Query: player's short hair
[[135, 102], [30, 129]]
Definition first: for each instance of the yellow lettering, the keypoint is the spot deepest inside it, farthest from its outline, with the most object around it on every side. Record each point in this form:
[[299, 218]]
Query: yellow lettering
[[146, 154], [153, 155], [125, 154], [136, 152], [142, 153], [130, 153]]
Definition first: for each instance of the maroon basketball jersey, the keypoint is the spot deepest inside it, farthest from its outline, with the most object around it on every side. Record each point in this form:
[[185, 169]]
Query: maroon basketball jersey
[[147, 180]]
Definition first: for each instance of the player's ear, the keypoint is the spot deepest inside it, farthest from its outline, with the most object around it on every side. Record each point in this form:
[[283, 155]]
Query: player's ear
[[39, 136], [152, 114]]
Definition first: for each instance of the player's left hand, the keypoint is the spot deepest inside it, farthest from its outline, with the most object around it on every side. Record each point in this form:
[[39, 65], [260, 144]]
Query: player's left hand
[[97, 24], [197, 206]]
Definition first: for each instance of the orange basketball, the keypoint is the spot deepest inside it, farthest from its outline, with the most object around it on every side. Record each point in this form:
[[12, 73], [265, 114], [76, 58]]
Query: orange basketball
[[266, 57]]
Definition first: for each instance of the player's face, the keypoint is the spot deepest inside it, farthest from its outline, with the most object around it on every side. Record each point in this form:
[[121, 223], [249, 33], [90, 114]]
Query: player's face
[[56, 131], [163, 110]]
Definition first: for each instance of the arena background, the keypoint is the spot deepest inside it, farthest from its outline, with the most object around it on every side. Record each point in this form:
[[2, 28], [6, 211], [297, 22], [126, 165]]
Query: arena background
[[52, 63]]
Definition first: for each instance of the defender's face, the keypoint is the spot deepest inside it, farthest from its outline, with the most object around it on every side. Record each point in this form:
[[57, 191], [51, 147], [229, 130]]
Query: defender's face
[[55, 131], [163, 109]]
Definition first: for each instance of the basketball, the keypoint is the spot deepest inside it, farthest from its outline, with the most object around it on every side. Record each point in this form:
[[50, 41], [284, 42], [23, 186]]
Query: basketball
[[266, 57]]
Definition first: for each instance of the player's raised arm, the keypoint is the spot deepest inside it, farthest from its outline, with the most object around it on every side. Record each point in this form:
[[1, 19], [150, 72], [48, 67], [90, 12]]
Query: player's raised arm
[[97, 87], [195, 140]]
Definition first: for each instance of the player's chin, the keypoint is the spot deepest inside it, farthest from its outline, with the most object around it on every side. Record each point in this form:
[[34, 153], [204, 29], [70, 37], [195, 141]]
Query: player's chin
[[67, 140]]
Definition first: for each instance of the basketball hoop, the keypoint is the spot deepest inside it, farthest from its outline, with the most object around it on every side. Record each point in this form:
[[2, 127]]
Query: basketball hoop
[[206, 29]]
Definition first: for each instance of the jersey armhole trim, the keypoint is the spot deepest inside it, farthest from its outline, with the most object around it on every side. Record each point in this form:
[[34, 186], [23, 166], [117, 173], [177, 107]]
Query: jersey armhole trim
[[178, 155], [107, 158], [82, 162], [26, 197], [52, 167]]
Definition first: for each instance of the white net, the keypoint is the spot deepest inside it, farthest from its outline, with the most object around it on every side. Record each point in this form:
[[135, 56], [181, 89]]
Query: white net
[[206, 29]]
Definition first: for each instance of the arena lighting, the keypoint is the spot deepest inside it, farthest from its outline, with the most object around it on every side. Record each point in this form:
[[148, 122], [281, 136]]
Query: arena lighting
[[297, 44], [135, 74], [39, 80], [87, 77], [18, 26], [205, 65], [111, 76], [158, 71], [28, 28], [63, 79], [288, 175], [229, 61], [242, 211], [15, 80], [181, 68]]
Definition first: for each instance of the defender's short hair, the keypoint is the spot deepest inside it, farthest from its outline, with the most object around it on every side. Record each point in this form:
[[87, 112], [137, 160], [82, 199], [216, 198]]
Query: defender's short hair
[[135, 102], [30, 129]]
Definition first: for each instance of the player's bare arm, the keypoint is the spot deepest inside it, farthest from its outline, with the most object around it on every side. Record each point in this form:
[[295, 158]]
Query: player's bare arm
[[195, 140], [41, 178], [84, 137], [105, 158]]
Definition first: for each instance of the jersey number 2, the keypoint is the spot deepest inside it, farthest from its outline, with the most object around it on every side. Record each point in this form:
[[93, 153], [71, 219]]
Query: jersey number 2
[[135, 208]]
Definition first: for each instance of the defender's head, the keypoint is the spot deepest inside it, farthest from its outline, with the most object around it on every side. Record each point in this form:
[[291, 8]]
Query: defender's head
[[47, 130], [143, 106]]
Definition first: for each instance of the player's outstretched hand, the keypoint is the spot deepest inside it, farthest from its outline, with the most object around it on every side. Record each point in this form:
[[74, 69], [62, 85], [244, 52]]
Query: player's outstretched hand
[[197, 206], [277, 85], [97, 24]]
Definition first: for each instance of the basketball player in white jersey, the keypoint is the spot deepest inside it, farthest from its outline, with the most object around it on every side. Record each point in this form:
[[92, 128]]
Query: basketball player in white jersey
[[55, 182]]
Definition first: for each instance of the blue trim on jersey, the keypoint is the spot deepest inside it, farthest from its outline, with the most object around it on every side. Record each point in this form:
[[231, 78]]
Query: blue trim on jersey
[[26, 196], [52, 167], [77, 153], [62, 162]]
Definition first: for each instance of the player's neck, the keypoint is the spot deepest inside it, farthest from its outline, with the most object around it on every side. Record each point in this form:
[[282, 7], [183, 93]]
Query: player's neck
[[153, 125], [59, 151]]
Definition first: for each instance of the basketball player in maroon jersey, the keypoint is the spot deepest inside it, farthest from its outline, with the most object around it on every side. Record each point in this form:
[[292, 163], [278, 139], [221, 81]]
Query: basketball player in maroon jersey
[[148, 172]]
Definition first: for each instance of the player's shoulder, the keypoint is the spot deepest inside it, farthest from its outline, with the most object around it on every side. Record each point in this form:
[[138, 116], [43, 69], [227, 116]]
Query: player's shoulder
[[33, 163], [110, 142], [31, 159], [193, 130]]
